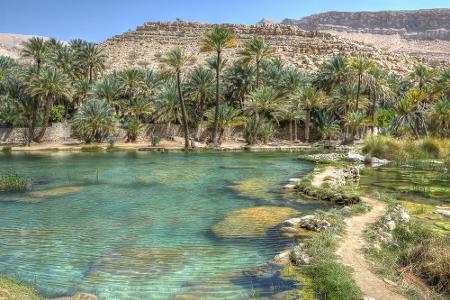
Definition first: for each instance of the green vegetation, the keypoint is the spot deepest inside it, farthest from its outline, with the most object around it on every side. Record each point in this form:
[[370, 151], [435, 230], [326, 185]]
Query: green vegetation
[[6, 149], [417, 250], [93, 148], [12, 289], [329, 278], [405, 149], [12, 182], [345, 100]]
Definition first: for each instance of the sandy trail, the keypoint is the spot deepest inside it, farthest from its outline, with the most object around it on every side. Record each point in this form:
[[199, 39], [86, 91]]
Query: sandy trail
[[350, 248]]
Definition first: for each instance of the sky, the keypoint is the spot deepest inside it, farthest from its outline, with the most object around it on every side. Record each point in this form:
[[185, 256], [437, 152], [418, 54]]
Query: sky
[[97, 20]]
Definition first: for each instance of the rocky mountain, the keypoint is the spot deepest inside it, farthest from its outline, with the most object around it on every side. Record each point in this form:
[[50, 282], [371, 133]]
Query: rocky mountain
[[426, 24], [11, 44], [306, 50]]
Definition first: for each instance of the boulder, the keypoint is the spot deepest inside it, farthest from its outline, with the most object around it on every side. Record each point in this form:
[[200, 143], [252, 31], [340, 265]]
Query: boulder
[[294, 180], [292, 222], [390, 225], [289, 229], [312, 223], [289, 186], [299, 257], [356, 157], [443, 212], [376, 162]]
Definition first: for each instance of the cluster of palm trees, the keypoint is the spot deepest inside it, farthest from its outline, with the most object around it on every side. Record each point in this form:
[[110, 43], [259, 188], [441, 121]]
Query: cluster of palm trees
[[344, 99]]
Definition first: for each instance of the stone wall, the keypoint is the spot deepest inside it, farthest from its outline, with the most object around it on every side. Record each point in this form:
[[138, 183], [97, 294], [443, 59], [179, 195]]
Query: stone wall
[[306, 50], [62, 133], [57, 133]]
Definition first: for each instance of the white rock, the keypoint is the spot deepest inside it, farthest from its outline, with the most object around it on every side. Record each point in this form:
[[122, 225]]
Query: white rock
[[283, 255], [375, 161], [368, 298], [404, 216], [293, 222], [294, 180], [289, 187], [355, 157], [443, 212], [289, 229], [390, 225]]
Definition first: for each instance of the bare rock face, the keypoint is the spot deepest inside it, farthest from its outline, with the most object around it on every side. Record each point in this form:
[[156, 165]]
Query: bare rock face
[[426, 24], [423, 34], [306, 50]]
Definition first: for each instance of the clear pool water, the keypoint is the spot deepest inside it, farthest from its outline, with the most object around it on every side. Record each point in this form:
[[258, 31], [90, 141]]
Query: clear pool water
[[133, 225]]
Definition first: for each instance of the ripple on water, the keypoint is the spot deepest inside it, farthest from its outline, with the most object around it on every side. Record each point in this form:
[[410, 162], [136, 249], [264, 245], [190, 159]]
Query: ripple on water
[[145, 228]]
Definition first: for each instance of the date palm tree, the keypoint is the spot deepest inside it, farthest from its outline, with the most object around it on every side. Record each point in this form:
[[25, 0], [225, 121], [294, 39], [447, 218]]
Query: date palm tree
[[131, 82], [310, 98], [239, 81], [421, 74], [360, 65], [355, 120], [262, 101], [255, 51], [93, 60], [216, 41], [441, 116], [229, 117], [332, 73], [94, 121], [49, 85], [36, 49], [201, 89], [108, 89], [177, 59]]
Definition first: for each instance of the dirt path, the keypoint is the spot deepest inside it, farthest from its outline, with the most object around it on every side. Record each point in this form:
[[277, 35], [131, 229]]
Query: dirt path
[[319, 178], [351, 252], [351, 247]]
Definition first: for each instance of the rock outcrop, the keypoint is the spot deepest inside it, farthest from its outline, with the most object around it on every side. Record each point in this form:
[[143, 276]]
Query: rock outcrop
[[306, 50], [426, 24]]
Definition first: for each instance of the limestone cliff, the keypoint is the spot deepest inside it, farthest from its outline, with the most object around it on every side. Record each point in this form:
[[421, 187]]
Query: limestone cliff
[[306, 50], [426, 24]]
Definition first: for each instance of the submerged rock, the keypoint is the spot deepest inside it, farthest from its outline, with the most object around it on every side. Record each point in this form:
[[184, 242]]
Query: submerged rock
[[356, 157], [288, 229], [251, 222], [79, 296]]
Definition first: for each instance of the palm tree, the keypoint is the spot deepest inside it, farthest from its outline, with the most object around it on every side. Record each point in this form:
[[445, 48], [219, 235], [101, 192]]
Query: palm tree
[[360, 65], [229, 117], [139, 107], [327, 125], [262, 101], [94, 121], [49, 85], [201, 88], [332, 73], [355, 120], [239, 81], [36, 49], [176, 59], [108, 89], [441, 116], [255, 51], [310, 98], [216, 41], [378, 88], [131, 82], [93, 59], [167, 105], [408, 112], [420, 74]]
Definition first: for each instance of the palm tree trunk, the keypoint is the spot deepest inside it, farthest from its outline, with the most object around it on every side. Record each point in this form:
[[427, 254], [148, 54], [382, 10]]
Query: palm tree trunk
[[358, 92], [290, 131], [257, 73], [34, 108], [200, 117], [47, 109], [183, 113], [295, 130], [307, 121], [216, 113], [374, 103], [258, 126], [90, 74]]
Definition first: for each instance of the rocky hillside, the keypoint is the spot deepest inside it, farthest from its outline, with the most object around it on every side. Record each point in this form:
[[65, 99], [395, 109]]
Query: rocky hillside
[[427, 24], [306, 50]]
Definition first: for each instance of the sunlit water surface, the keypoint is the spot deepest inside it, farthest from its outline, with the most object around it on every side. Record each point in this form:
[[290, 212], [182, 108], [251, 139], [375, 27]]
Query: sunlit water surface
[[139, 225]]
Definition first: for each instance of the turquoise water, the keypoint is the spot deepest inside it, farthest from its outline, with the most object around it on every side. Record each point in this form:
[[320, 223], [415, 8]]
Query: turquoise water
[[132, 225]]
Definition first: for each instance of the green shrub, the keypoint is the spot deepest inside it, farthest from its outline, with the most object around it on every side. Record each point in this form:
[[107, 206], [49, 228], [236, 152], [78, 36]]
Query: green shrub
[[93, 148], [433, 147], [12, 182], [7, 149], [384, 147], [332, 280], [56, 113]]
